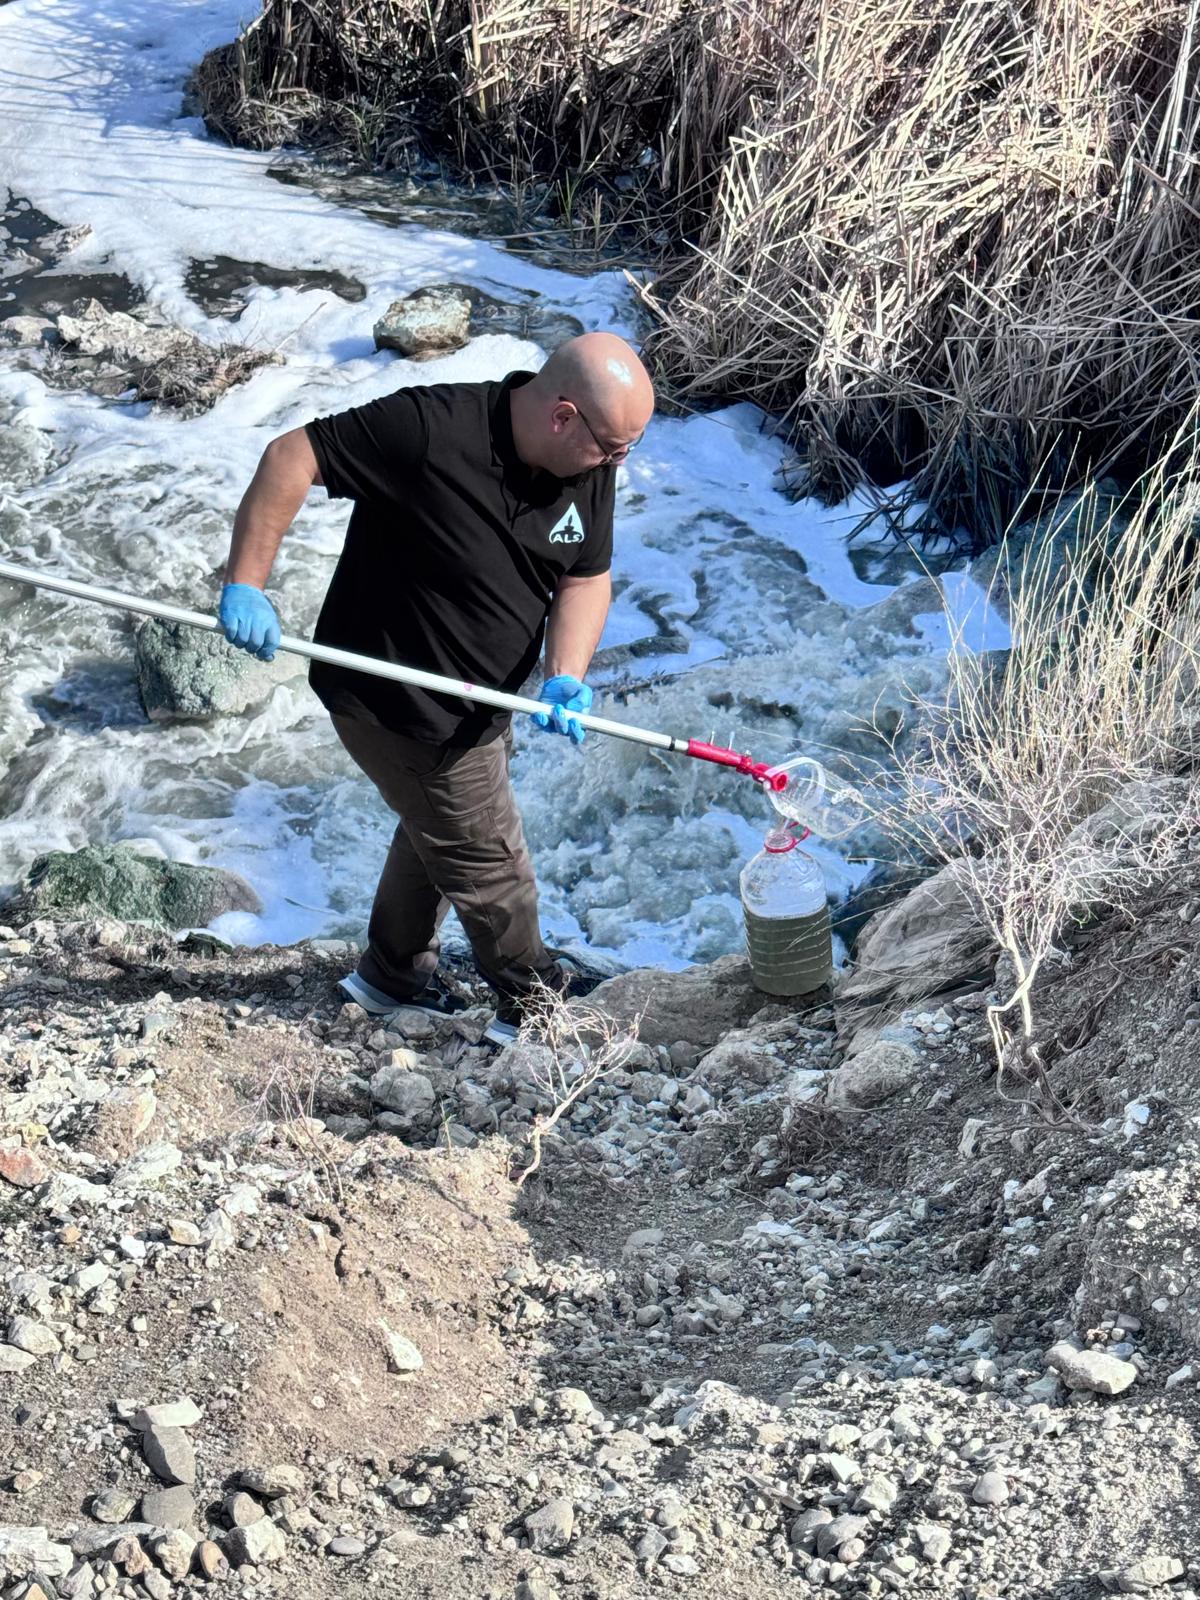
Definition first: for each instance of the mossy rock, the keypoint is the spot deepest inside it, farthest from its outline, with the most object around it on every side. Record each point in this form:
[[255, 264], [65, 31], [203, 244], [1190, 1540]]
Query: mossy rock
[[114, 880], [184, 674]]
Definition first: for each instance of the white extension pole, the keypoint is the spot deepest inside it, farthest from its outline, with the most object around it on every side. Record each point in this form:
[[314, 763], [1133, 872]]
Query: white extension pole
[[760, 771], [335, 658]]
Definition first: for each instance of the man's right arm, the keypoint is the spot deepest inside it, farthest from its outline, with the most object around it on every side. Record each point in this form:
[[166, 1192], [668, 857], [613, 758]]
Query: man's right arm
[[286, 472]]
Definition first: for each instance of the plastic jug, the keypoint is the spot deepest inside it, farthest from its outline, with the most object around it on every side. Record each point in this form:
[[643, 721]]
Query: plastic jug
[[820, 802], [787, 917]]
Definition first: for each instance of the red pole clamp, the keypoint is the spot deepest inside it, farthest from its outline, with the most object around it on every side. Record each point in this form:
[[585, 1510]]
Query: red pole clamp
[[760, 771]]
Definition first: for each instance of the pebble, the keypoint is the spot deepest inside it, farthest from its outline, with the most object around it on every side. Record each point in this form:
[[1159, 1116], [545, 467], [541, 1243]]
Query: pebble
[[990, 1490], [241, 1509], [345, 1545], [174, 1552], [182, 1413], [169, 1455], [1140, 1577], [210, 1559], [551, 1526], [22, 1168], [258, 1545], [1093, 1370], [32, 1336], [402, 1353], [113, 1505], [272, 1482], [169, 1508]]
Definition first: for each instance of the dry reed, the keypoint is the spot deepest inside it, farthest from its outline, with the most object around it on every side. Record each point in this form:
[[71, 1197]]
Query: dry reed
[[952, 242]]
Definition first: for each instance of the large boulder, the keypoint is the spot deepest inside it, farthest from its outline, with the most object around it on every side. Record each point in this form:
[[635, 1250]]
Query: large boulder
[[932, 940], [429, 322], [114, 880], [697, 1007], [183, 673]]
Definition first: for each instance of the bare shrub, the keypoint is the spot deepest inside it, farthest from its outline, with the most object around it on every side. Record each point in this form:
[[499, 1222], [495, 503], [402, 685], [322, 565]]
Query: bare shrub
[[580, 1045], [1069, 775]]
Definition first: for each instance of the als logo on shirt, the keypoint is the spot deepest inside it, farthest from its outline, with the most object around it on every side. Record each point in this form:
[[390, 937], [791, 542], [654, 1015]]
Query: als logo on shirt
[[569, 527]]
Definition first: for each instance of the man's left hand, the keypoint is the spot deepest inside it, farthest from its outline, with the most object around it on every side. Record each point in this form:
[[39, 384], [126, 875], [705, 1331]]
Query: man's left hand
[[564, 694]]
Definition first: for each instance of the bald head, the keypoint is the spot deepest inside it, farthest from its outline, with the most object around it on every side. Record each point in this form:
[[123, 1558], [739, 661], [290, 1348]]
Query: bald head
[[588, 404]]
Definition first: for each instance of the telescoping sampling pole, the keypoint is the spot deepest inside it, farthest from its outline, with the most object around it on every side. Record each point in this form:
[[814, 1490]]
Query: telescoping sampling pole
[[762, 773]]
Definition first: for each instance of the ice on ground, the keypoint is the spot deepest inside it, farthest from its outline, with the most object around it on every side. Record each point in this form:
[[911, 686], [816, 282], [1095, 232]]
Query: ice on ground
[[738, 614]]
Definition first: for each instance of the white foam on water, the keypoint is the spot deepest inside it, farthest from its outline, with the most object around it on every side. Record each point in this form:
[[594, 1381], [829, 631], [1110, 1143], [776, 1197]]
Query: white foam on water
[[738, 613]]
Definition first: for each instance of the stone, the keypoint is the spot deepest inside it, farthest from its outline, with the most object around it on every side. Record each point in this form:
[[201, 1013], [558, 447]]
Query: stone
[[574, 1404], [156, 1585], [31, 1550], [346, 1545], [186, 675], [169, 1455], [875, 1074], [428, 322], [181, 1413], [95, 1541], [877, 1494], [402, 1353], [407, 1094], [261, 1544], [1093, 1370], [551, 1526], [174, 1552], [832, 1535], [24, 333], [934, 1541], [932, 939], [21, 1167], [210, 1559], [26, 1333], [1141, 1577], [169, 1508], [739, 1060], [697, 1006], [181, 1231], [991, 1489], [147, 1166], [115, 880], [272, 1482], [113, 1505], [804, 1530], [241, 1509], [534, 1589], [13, 1360]]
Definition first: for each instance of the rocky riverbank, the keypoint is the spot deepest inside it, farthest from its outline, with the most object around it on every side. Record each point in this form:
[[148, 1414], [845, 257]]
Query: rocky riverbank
[[793, 1304]]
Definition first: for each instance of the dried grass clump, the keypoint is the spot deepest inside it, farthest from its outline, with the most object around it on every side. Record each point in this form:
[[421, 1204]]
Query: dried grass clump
[[962, 245], [1073, 775], [952, 242]]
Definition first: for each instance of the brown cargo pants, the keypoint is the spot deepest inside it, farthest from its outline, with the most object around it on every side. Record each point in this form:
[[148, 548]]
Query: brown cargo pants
[[459, 843]]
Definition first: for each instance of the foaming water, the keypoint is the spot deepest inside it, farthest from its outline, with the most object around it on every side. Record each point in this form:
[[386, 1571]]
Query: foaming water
[[738, 614]]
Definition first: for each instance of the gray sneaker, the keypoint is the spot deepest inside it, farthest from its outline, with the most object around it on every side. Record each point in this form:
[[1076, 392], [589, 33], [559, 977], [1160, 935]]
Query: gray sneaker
[[435, 997]]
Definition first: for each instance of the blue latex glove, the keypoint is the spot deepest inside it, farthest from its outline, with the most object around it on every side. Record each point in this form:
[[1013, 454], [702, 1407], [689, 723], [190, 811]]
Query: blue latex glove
[[249, 620], [564, 694]]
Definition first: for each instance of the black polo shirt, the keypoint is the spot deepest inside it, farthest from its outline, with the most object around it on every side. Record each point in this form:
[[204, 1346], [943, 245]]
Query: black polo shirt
[[453, 553]]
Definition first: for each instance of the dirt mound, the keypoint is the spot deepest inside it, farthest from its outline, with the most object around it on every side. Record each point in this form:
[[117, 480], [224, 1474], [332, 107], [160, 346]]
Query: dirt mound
[[738, 1330]]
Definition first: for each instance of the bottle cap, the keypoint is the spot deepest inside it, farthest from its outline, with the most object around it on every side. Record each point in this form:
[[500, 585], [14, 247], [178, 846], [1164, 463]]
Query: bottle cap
[[780, 840]]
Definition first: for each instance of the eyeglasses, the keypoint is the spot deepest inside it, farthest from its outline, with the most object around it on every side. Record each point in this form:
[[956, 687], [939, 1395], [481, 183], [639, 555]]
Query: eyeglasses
[[610, 452]]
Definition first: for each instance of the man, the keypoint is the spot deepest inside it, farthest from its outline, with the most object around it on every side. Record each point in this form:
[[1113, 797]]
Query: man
[[482, 524]]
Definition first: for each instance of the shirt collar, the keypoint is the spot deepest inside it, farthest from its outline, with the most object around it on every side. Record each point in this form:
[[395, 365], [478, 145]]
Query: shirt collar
[[504, 449]]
